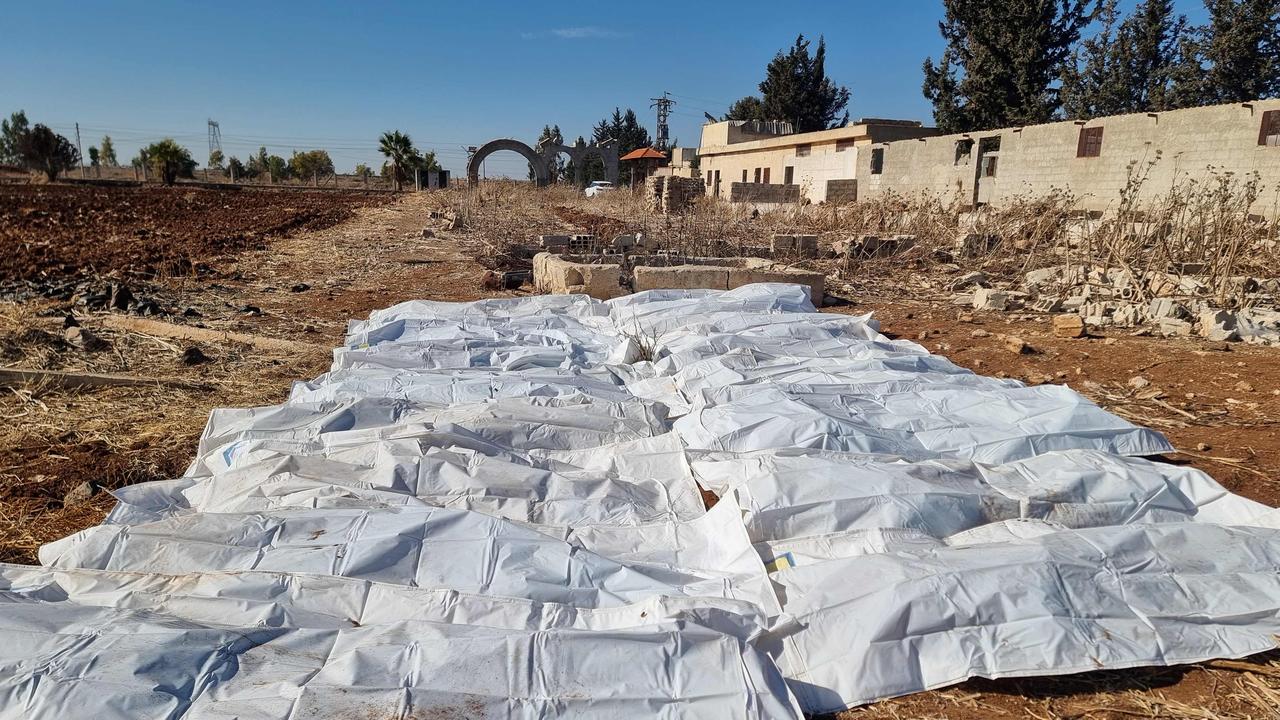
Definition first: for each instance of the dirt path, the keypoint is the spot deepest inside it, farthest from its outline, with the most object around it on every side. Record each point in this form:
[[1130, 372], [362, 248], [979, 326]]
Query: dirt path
[[302, 288]]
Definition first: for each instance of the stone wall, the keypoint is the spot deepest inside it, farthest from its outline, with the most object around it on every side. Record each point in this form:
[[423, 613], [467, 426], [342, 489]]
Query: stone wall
[[1169, 147], [570, 274], [725, 274]]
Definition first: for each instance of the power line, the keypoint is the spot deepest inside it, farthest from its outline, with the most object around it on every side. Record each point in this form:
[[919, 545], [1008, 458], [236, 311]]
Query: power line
[[663, 104]]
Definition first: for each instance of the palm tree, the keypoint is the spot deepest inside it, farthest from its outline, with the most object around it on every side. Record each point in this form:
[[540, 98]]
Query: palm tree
[[400, 152]]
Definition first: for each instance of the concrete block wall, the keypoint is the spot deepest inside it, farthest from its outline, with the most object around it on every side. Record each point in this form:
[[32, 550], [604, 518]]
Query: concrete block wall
[[761, 193], [842, 191], [1169, 147]]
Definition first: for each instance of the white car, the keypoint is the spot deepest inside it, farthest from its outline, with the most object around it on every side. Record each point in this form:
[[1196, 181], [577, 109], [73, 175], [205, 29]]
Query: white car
[[597, 187]]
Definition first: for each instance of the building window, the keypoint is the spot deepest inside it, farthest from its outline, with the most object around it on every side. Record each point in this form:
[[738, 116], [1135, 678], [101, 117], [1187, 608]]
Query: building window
[[766, 176], [757, 176], [989, 165], [877, 161], [803, 150], [1269, 134], [744, 174], [1090, 144], [842, 145], [964, 150], [788, 175]]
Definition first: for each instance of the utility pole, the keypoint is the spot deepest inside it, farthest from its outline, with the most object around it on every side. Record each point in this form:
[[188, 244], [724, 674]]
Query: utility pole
[[215, 143], [80, 150], [663, 104]]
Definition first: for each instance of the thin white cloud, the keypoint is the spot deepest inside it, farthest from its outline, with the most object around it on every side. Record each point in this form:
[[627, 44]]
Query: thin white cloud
[[585, 32]]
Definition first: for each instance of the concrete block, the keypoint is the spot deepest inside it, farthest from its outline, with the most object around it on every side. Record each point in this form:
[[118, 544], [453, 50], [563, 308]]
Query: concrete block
[[988, 299], [1047, 305], [1043, 276], [681, 277], [1163, 308], [1175, 328], [1126, 315]]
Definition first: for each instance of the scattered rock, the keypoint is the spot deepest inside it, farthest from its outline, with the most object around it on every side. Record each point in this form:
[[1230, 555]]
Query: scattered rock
[[964, 317], [147, 308], [79, 494], [194, 356], [968, 280], [251, 310], [1137, 382], [428, 233], [1218, 325], [83, 339], [979, 333], [1016, 345], [1203, 447], [191, 312], [300, 287], [1243, 386], [491, 280], [1068, 326]]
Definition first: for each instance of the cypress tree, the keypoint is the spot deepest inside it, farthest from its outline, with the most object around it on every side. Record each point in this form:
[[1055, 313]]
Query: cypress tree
[[1234, 58], [1127, 66], [796, 89], [1001, 59]]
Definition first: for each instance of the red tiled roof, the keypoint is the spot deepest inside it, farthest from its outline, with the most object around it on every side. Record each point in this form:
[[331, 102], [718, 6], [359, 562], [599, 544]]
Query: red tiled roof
[[644, 154]]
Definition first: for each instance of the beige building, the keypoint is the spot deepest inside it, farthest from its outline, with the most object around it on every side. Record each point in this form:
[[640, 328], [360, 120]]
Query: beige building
[[756, 161], [1091, 159]]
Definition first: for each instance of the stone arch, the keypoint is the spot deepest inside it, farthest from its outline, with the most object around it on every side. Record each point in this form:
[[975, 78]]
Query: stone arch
[[579, 152], [541, 175]]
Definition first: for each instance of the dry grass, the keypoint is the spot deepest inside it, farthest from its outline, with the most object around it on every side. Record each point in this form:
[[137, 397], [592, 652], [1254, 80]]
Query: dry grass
[[1211, 228], [55, 439]]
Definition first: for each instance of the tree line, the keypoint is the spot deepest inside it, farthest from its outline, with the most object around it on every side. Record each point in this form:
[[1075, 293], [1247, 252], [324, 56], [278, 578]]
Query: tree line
[[39, 149], [1015, 62], [1023, 62]]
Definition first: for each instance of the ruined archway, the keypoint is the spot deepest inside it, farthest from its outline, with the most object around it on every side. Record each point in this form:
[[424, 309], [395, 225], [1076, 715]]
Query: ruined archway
[[541, 175], [579, 152]]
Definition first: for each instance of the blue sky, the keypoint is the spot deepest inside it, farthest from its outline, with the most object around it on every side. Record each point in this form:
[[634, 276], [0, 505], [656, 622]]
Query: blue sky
[[295, 76]]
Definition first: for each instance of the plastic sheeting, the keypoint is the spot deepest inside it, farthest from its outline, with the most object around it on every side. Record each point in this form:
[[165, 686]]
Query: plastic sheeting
[[492, 509]]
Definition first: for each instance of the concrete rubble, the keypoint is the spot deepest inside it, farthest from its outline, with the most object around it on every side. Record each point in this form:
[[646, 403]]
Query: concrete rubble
[[1165, 304]]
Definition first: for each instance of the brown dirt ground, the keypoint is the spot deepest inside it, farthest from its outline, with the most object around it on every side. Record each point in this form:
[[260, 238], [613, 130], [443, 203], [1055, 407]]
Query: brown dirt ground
[[53, 439], [66, 230]]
